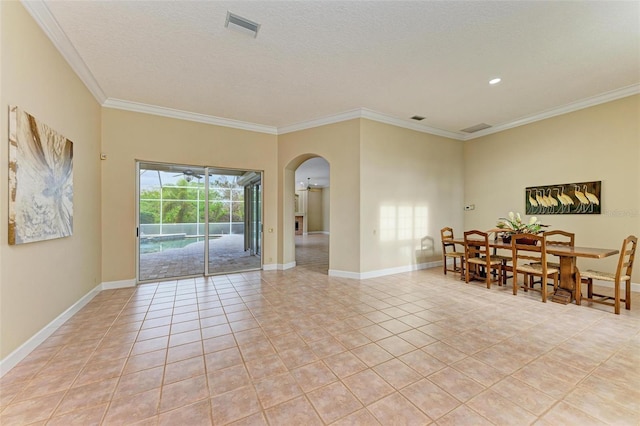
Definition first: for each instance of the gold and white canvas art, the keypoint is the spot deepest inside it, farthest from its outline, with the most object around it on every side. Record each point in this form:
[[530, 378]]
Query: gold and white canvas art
[[40, 180]]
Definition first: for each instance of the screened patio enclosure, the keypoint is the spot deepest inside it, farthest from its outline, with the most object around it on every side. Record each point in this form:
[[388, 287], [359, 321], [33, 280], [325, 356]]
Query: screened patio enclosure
[[181, 207]]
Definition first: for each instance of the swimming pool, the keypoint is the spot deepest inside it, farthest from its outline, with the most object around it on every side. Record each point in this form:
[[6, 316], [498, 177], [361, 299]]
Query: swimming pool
[[152, 246]]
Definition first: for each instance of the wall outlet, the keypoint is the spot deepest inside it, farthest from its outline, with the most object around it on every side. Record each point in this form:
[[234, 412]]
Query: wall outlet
[[470, 207]]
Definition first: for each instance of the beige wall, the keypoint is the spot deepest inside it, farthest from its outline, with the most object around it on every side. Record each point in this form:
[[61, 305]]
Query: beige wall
[[39, 281], [326, 205], [314, 211], [411, 187], [129, 136], [338, 144], [597, 143]]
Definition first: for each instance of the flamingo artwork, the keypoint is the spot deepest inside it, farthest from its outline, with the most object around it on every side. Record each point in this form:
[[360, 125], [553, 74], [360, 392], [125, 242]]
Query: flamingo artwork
[[568, 198], [584, 201], [591, 197], [532, 200]]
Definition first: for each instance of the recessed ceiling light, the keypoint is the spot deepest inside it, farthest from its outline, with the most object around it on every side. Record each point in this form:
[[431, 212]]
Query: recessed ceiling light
[[495, 80]]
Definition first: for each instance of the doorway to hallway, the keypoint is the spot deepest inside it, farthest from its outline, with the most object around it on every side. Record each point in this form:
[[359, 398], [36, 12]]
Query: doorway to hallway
[[312, 252]]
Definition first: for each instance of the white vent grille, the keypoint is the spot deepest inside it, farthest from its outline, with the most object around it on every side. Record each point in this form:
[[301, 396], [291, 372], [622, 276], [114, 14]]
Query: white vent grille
[[242, 24], [476, 128]]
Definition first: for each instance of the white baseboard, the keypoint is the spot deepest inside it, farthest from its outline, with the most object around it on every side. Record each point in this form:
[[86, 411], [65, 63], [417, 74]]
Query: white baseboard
[[278, 266], [284, 267], [383, 272], [344, 274], [319, 232], [27, 347], [111, 285]]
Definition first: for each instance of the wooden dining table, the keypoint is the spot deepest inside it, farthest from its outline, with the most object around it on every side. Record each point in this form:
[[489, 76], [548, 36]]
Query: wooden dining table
[[568, 256]]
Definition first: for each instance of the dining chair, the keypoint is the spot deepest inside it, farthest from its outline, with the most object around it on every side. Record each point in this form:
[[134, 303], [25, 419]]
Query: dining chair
[[449, 252], [477, 255], [504, 259], [556, 237], [622, 274], [531, 260]]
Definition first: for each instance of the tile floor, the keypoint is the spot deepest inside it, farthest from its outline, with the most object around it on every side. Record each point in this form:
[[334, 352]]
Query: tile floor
[[298, 347]]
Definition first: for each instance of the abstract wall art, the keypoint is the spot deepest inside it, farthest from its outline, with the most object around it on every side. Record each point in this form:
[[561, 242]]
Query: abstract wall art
[[40, 180], [566, 198]]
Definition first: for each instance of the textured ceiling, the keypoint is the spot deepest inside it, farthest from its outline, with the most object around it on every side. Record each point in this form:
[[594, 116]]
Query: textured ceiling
[[313, 59]]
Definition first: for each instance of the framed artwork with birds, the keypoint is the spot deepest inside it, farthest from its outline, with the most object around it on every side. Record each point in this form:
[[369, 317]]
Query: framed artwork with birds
[[566, 198]]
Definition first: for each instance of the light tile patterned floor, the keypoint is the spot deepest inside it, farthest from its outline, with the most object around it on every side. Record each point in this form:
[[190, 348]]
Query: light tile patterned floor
[[300, 348]]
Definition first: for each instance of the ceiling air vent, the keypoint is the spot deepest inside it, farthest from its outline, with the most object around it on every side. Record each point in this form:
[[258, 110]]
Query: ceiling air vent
[[418, 118], [242, 24], [476, 128]]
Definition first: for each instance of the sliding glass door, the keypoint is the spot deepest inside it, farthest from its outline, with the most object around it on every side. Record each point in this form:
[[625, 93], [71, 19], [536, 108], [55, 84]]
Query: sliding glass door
[[197, 221], [252, 218], [233, 219]]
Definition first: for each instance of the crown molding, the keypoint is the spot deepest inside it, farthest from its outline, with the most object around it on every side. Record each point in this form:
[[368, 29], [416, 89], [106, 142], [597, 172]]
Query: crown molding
[[188, 116], [330, 119], [369, 115], [613, 95], [387, 119], [43, 17]]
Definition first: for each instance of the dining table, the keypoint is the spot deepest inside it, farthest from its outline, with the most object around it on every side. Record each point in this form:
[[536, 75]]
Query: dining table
[[569, 274]]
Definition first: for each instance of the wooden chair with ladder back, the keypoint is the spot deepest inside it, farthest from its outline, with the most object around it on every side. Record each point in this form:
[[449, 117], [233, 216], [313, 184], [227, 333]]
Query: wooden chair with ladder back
[[523, 250], [478, 257], [449, 251], [557, 237], [622, 274], [505, 259]]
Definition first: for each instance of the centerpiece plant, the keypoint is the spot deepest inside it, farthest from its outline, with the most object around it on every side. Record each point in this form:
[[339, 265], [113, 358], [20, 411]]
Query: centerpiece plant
[[513, 224]]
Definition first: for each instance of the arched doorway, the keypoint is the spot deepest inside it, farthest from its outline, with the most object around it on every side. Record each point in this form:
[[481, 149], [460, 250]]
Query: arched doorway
[[311, 215], [307, 205]]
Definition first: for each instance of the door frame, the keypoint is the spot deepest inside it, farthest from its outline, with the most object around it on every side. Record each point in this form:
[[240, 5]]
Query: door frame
[[207, 172]]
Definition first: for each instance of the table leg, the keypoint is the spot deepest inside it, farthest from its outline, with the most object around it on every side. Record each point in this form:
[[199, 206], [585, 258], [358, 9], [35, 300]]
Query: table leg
[[568, 275], [578, 287]]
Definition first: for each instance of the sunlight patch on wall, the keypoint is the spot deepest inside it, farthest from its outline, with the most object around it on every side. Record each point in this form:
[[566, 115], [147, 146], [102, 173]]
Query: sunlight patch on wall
[[421, 222], [405, 222], [402, 223], [387, 223]]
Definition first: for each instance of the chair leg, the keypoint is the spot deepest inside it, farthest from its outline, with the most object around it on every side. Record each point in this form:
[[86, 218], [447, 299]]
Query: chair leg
[[589, 288], [578, 289], [543, 288], [616, 302], [627, 295], [488, 278], [444, 264], [515, 282]]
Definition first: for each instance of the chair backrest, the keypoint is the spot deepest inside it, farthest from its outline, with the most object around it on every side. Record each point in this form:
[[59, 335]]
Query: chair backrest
[[446, 234], [558, 237], [476, 243], [524, 249], [627, 254]]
